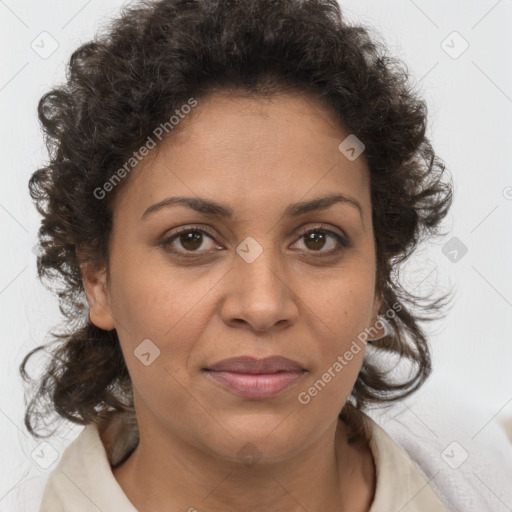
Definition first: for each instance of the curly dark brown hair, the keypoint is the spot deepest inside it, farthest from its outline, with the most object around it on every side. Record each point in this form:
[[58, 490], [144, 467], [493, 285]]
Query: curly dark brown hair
[[132, 77]]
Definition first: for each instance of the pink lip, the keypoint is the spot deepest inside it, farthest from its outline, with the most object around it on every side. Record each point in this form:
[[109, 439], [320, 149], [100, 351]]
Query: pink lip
[[250, 364], [256, 385]]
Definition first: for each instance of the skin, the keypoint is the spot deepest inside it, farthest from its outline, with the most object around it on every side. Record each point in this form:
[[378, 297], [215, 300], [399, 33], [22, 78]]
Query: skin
[[256, 156]]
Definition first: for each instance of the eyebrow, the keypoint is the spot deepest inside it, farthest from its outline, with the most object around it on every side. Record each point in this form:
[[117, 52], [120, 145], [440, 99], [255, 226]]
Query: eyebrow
[[209, 207]]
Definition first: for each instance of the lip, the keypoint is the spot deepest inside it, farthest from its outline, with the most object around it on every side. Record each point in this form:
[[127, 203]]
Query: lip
[[254, 378], [260, 385], [253, 365]]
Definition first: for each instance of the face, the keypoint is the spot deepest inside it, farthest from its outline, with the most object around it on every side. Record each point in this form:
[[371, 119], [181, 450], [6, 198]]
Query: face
[[249, 283]]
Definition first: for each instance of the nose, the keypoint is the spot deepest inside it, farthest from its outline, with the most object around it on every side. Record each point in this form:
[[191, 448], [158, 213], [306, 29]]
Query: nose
[[259, 295]]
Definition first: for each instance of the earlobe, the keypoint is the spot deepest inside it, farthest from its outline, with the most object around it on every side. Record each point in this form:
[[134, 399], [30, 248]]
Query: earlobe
[[95, 285]]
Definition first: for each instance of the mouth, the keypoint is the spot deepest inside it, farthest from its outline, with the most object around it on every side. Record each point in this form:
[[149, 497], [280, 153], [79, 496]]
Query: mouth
[[253, 378], [256, 385]]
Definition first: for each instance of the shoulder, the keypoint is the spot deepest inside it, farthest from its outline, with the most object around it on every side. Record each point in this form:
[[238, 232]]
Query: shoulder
[[46, 454], [79, 478], [464, 449]]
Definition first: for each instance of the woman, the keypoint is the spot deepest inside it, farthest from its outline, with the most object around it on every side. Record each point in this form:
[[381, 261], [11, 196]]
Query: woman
[[231, 186]]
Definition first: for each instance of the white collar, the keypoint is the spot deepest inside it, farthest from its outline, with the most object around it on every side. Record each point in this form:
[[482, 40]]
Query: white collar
[[83, 479]]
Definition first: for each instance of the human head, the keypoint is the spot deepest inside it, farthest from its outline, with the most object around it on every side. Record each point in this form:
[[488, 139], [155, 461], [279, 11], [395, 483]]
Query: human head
[[149, 64]]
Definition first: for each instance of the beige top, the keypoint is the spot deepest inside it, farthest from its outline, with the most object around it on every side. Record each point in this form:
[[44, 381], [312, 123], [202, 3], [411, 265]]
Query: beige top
[[83, 479]]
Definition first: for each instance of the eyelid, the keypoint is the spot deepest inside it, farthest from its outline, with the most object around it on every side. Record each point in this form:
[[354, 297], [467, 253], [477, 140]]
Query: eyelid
[[189, 227], [323, 227]]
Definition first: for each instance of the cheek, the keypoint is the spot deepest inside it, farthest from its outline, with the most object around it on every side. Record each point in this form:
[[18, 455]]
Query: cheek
[[339, 310], [169, 308], [150, 304], [340, 307], [151, 298]]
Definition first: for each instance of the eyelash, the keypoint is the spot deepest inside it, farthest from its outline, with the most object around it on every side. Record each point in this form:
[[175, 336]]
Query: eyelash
[[343, 243]]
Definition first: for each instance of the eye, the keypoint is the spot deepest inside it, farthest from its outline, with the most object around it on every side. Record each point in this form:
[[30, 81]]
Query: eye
[[316, 238], [191, 240]]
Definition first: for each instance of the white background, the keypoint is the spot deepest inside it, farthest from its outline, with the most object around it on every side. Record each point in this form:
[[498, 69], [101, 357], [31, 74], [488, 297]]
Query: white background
[[470, 106]]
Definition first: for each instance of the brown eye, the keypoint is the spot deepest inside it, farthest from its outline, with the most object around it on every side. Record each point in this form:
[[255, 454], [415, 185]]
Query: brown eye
[[191, 240], [316, 239], [187, 241]]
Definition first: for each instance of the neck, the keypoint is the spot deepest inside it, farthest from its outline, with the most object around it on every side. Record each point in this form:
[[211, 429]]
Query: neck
[[166, 473]]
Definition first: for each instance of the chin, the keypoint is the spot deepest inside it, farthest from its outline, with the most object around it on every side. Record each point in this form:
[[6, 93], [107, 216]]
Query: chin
[[268, 438]]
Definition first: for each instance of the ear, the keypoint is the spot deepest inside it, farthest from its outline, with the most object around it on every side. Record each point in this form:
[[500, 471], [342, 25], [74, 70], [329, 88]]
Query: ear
[[95, 284], [377, 303]]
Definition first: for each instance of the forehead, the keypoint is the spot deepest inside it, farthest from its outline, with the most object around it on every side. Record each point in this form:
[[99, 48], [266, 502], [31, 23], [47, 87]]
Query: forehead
[[283, 148]]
